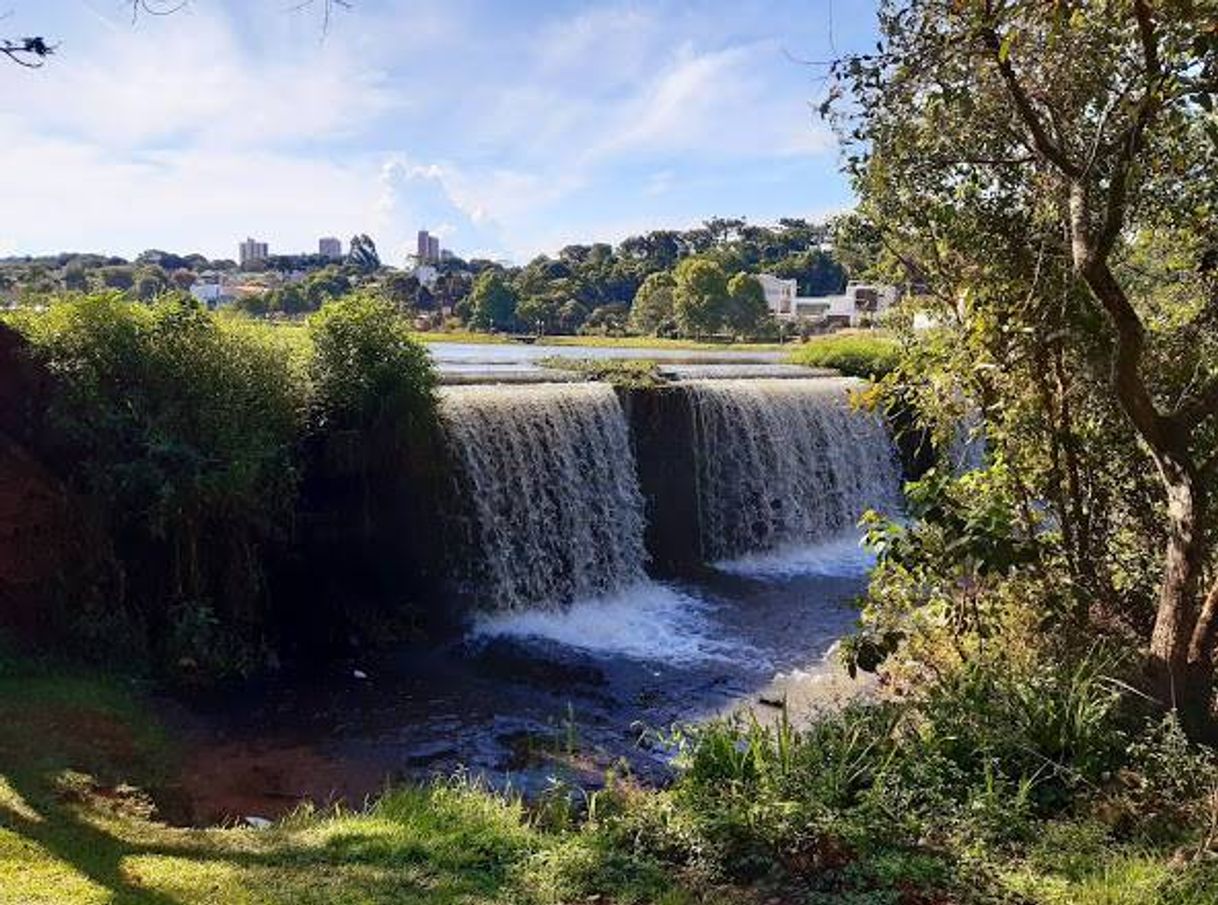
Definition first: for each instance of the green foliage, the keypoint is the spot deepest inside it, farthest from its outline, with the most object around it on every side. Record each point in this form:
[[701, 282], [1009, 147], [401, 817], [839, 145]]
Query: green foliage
[[178, 430], [699, 296], [746, 308], [368, 373], [652, 311], [854, 354], [626, 372], [492, 302]]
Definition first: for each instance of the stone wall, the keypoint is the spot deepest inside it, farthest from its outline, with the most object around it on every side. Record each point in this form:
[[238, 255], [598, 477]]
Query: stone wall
[[661, 432]]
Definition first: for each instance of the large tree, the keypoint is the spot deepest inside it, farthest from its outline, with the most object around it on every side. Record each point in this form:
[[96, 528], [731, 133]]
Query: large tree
[[492, 302], [746, 307], [652, 308], [699, 296], [1015, 156]]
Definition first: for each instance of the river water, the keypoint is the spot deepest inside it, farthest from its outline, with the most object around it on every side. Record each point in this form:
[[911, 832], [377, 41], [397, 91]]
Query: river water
[[574, 657]]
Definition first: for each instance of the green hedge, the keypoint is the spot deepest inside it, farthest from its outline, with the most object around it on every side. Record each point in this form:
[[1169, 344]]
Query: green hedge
[[854, 354]]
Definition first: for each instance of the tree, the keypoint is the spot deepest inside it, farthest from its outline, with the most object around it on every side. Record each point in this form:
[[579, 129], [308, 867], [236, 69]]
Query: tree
[[746, 308], [653, 304], [492, 302], [1013, 156], [538, 314], [607, 320], [150, 281], [699, 296], [400, 288], [362, 254]]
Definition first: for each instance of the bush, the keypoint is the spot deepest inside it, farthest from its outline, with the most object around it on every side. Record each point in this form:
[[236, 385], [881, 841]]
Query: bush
[[854, 354], [177, 430], [181, 433], [368, 373]]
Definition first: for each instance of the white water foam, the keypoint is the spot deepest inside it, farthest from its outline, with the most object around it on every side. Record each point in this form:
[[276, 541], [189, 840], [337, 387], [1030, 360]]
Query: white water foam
[[842, 557], [646, 621]]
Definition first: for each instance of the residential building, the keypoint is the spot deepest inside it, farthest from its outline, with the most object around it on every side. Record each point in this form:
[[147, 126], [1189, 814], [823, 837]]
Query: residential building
[[860, 304], [250, 251], [427, 249], [330, 247], [446, 255], [779, 294], [208, 288]]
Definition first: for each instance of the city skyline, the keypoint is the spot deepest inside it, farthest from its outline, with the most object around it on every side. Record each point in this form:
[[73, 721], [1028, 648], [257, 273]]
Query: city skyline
[[549, 123]]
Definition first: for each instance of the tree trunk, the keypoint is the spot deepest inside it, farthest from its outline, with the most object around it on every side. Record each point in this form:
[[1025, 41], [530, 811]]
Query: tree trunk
[[1180, 677], [1181, 672]]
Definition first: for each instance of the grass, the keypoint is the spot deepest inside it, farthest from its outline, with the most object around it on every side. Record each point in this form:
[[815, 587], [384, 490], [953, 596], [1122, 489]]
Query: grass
[[868, 354], [626, 372], [79, 754]]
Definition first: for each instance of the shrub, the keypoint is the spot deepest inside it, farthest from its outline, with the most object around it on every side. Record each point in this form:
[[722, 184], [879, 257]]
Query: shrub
[[177, 430], [368, 373], [854, 354]]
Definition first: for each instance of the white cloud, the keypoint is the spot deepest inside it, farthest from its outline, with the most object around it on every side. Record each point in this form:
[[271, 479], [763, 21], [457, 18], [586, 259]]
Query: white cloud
[[194, 80], [509, 131]]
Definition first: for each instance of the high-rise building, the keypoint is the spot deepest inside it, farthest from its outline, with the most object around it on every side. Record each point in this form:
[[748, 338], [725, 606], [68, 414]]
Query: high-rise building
[[329, 247], [250, 251], [428, 247]]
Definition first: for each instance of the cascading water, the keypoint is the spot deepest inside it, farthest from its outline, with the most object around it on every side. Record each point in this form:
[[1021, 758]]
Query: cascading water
[[557, 512], [786, 462]]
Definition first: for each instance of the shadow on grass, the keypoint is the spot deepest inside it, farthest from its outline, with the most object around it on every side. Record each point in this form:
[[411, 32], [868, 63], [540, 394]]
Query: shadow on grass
[[375, 862]]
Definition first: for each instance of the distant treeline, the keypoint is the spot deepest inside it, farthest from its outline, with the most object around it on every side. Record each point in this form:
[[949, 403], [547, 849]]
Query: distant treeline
[[636, 286]]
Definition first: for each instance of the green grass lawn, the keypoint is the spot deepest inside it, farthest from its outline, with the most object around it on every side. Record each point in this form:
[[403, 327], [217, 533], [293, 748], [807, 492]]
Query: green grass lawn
[[856, 354]]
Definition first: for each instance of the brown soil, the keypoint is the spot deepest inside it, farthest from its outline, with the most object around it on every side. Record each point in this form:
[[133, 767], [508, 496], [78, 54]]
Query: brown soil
[[226, 782]]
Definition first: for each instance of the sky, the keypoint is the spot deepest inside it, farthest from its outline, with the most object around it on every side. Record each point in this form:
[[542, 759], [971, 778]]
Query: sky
[[508, 127]]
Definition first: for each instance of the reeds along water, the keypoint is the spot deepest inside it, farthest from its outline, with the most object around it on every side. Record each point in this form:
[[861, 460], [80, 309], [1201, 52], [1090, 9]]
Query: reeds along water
[[553, 491], [786, 462]]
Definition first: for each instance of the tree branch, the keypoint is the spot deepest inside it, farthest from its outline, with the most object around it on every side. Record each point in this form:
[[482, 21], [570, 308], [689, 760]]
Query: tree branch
[[1203, 405], [28, 52], [1045, 145]]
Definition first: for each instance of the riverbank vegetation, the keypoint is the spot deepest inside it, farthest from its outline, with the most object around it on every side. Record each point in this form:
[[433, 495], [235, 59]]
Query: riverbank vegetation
[[868, 355], [183, 438]]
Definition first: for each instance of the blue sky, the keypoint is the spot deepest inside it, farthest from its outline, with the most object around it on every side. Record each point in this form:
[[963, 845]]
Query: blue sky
[[511, 128]]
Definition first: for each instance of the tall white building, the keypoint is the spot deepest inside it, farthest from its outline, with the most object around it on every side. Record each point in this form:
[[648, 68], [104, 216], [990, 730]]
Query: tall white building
[[250, 251], [330, 247]]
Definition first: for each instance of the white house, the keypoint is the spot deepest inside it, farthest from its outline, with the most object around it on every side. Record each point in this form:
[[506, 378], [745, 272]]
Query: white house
[[779, 294], [861, 302], [208, 289]]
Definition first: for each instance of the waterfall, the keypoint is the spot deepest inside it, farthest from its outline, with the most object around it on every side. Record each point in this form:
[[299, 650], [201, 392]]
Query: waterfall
[[554, 497], [784, 462]]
